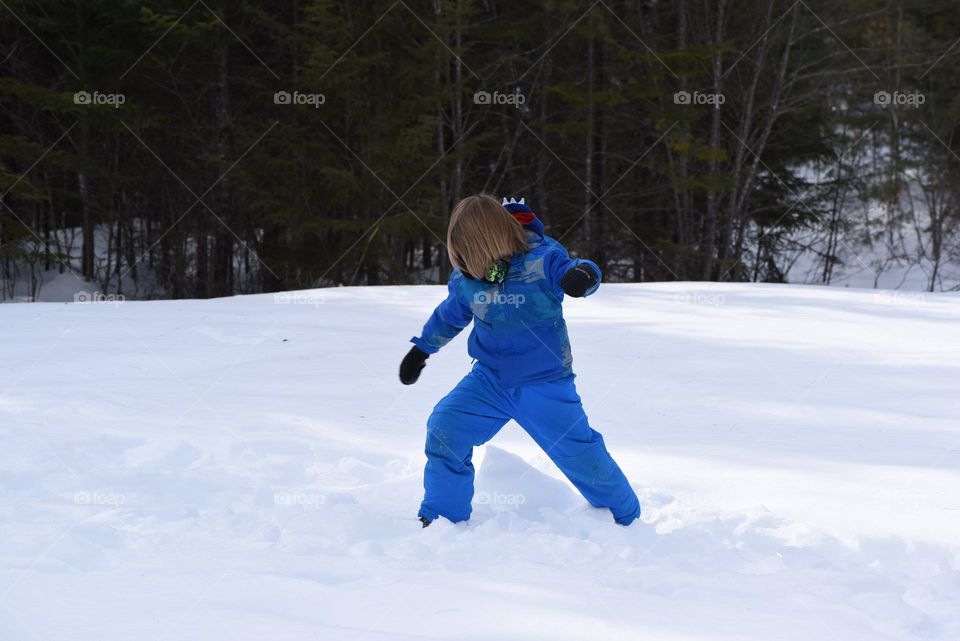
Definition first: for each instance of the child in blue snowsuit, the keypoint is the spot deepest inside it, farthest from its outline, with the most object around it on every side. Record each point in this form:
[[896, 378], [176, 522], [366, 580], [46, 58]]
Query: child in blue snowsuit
[[510, 280]]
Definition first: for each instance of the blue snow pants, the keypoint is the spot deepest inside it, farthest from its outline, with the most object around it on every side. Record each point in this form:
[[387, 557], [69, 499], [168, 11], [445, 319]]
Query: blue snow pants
[[550, 412]]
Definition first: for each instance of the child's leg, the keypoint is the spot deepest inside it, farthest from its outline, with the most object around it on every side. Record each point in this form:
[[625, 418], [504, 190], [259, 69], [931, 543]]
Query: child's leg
[[469, 415], [553, 415]]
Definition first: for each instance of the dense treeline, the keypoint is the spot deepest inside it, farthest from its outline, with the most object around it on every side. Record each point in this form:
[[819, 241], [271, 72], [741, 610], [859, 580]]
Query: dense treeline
[[208, 147]]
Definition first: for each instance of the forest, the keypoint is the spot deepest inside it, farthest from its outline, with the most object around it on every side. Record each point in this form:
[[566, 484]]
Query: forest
[[205, 148]]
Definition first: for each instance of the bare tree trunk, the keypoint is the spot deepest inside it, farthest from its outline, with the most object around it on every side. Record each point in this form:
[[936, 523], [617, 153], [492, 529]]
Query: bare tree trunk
[[442, 70], [83, 184], [833, 234], [541, 184], [599, 250], [222, 272], [682, 199], [589, 203], [83, 187], [458, 123], [710, 233]]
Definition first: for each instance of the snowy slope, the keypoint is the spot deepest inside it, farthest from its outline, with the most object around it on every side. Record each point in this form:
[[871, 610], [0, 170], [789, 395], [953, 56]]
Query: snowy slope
[[249, 468]]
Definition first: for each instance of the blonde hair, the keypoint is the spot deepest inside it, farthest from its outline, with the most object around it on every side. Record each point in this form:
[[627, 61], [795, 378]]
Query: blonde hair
[[481, 232]]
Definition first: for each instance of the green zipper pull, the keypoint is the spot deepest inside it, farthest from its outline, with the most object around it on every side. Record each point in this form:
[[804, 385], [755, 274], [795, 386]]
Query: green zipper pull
[[497, 273]]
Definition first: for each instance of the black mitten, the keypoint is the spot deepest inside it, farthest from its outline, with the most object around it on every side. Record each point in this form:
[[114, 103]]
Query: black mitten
[[412, 365], [578, 281]]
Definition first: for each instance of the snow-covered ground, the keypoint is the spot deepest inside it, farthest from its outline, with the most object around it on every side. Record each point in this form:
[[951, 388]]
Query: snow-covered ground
[[250, 468]]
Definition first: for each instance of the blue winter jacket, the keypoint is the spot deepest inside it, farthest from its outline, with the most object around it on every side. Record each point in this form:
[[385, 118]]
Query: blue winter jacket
[[518, 327]]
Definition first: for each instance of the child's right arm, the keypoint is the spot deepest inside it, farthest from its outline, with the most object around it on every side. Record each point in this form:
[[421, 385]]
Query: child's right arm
[[447, 320]]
